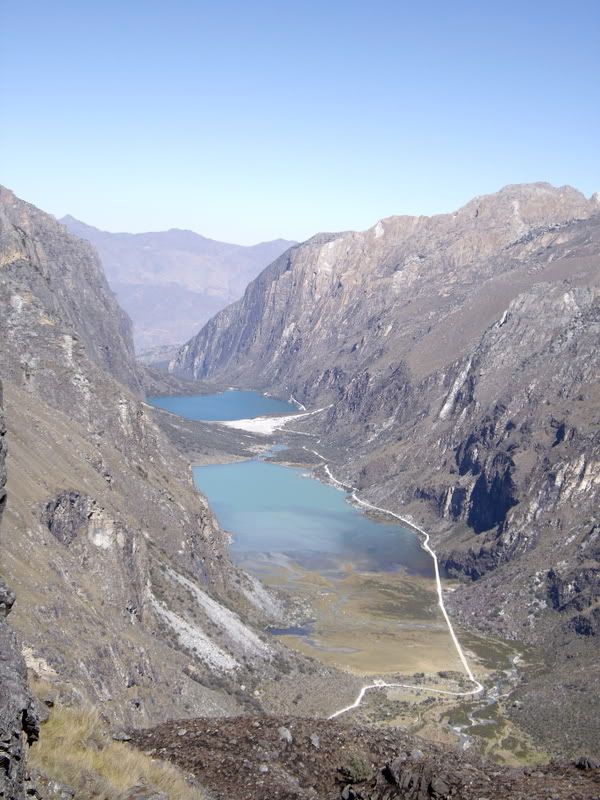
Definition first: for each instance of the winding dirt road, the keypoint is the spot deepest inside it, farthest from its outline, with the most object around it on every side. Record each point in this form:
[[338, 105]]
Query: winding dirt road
[[379, 683]]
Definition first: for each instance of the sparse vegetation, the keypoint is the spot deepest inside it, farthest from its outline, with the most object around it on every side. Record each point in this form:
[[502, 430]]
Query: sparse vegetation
[[76, 749], [357, 767]]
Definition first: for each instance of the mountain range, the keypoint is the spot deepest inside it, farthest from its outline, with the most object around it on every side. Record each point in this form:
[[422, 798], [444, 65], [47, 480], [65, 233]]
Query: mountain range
[[171, 282], [456, 359]]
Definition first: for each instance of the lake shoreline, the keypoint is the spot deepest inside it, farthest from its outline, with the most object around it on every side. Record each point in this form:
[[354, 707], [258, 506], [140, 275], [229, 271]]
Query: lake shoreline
[[243, 446]]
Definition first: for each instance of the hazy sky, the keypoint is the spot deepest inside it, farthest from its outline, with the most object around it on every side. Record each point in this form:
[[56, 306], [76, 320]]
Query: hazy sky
[[247, 121]]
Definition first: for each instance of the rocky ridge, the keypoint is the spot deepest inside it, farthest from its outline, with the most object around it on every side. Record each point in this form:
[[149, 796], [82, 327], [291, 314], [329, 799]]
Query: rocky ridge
[[459, 355], [281, 758], [126, 597]]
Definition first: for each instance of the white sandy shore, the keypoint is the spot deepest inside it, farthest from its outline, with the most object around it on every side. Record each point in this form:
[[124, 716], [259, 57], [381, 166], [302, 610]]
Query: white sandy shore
[[265, 426]]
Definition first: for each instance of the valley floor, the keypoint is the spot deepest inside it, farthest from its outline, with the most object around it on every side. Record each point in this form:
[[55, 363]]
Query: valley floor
[[356, 630]]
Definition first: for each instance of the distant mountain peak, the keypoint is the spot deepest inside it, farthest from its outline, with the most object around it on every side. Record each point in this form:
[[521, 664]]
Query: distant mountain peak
[[171, 282], [72, 222]]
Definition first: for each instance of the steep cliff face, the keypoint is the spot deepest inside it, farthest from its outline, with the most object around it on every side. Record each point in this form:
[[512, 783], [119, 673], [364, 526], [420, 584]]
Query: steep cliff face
[[460, 357], [17, 716], [340, 303], [43, 270], [507, 457], [125, 594]]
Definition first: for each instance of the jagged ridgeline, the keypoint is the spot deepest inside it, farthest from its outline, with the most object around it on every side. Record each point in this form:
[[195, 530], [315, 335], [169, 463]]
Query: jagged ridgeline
[[460, 355], [125, 595]]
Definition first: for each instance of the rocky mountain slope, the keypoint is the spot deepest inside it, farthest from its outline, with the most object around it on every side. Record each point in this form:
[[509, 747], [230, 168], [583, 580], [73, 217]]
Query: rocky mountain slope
[[18, 719], [171, 282], [459, 354], [126, 598]]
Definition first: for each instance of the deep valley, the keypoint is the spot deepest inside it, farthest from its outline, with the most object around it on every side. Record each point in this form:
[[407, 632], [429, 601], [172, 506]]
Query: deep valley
[[440, 371]]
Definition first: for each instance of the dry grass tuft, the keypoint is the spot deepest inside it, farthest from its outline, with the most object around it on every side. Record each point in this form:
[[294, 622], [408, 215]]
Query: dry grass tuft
[[76, 749]]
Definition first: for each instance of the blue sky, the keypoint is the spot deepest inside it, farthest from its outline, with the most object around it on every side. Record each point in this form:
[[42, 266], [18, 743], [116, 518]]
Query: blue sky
[[247, 121]]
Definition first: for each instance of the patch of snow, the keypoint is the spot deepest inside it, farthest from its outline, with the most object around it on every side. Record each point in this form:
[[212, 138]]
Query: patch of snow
[[379, 230]]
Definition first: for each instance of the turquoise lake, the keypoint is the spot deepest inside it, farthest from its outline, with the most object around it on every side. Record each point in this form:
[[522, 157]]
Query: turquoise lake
[[277, 510], [233, 404]]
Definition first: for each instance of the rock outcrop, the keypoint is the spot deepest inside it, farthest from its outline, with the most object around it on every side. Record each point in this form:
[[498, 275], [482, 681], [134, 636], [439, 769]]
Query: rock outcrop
[[18, 720], [251, 758]]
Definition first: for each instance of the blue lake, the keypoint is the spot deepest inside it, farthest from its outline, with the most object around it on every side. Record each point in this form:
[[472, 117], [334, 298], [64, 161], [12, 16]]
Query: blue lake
[[278, 510], [368, 586], [233, 404]]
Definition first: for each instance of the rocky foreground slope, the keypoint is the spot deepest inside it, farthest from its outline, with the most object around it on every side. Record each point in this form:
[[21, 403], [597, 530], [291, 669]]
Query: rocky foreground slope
[[279, 758], [125, 595], [459, 357]]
